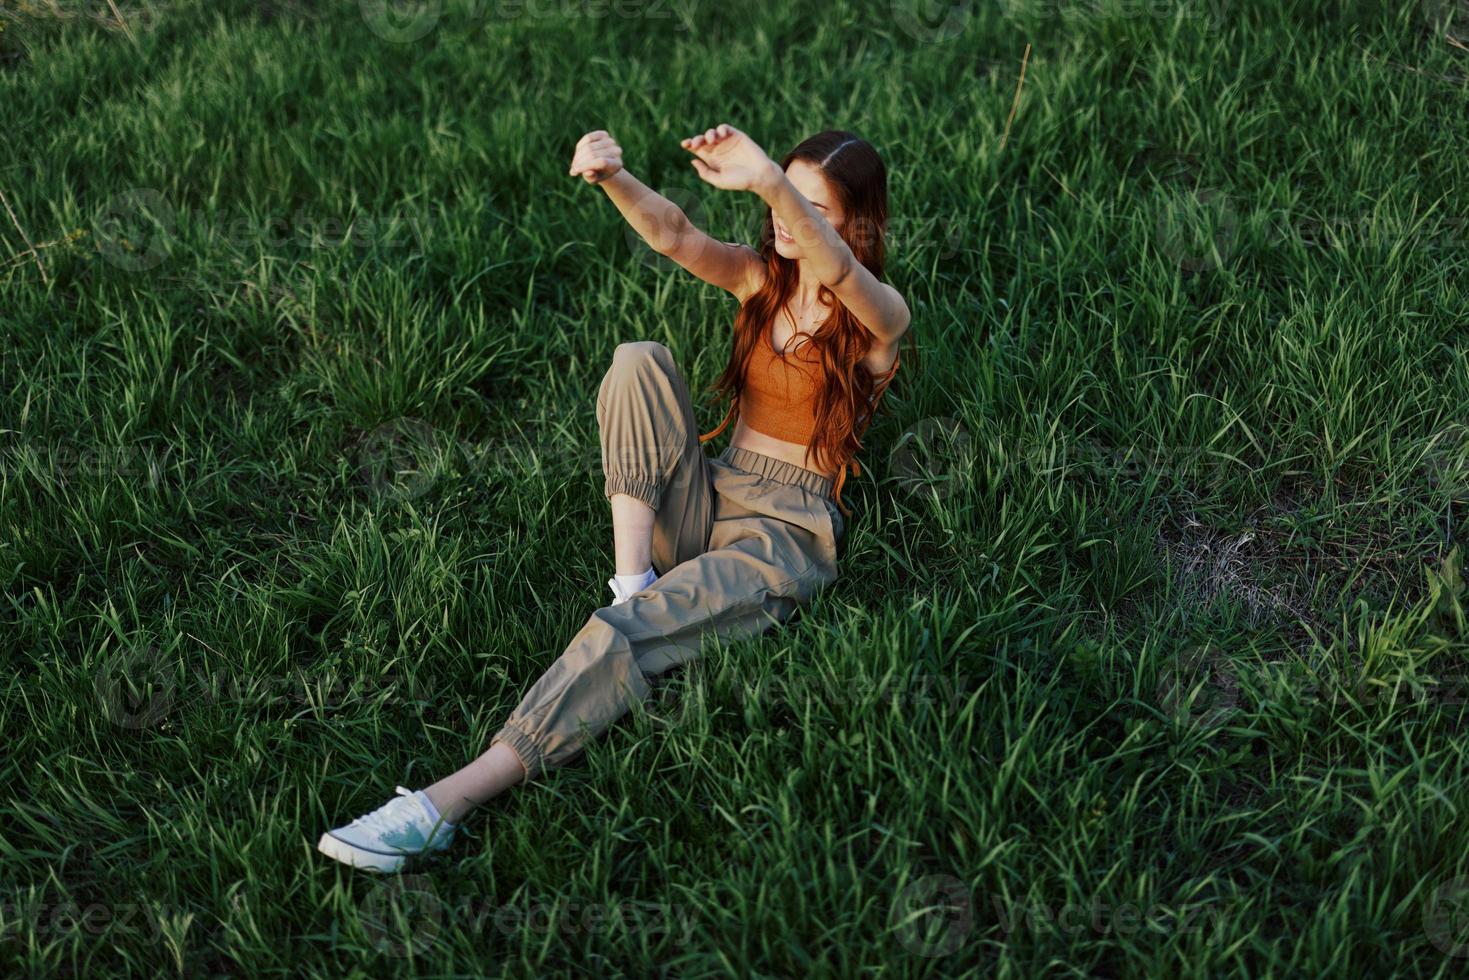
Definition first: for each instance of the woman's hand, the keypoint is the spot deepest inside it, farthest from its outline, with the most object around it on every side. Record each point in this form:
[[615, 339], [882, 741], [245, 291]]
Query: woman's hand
[[730, 160], [597, 157]]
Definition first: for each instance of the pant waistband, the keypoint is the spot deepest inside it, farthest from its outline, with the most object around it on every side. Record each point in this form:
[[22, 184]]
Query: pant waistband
[[778, 470]]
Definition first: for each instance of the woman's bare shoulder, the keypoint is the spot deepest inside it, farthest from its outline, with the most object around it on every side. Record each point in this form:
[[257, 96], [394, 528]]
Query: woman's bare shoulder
[[755, 273]]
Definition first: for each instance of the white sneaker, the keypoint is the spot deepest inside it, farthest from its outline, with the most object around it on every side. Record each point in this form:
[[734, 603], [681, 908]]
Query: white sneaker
[[384, 839]]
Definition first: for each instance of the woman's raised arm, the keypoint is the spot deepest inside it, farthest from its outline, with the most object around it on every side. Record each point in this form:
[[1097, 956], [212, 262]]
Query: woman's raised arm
[[731, 160], [662, 224]]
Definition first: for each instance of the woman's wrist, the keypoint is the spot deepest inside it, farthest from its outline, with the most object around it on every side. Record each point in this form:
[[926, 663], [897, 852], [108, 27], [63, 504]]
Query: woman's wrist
[[615, 180], [623, 188], [768, 183]]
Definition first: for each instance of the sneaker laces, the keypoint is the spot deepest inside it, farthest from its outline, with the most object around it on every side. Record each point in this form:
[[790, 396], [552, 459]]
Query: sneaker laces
[[396, 814]]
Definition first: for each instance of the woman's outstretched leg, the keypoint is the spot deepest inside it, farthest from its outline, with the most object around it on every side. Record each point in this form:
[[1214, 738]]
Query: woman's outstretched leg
[[479, 782], [658, 488], [658, 484], [648, 442]]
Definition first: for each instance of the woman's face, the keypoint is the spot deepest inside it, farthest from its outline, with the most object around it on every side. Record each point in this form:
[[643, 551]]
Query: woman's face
[[807, 179]]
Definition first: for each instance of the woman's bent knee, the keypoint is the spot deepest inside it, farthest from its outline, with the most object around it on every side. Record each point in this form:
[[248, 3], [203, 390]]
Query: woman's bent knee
[[643, 368], [640, 355]]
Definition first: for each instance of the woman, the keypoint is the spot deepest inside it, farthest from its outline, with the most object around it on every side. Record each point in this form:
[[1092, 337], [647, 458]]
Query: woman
[[724, 546]]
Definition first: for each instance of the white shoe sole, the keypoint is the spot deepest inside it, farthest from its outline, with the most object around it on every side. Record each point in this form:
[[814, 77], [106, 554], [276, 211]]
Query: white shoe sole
[[339, 850]]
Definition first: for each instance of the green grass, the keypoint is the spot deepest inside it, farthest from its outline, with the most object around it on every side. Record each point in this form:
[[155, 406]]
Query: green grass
[[1149, 657]]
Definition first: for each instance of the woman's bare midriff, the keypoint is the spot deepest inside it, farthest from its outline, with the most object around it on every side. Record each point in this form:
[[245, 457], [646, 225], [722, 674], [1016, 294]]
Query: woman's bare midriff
[[758, 442]]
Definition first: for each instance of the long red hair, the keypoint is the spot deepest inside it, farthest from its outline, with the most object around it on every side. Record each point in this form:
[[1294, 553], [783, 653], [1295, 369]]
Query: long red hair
[[844, 402]]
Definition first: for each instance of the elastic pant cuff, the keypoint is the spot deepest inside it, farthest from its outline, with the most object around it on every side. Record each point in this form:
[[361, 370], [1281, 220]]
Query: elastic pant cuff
[[647, 491], [530, 756]]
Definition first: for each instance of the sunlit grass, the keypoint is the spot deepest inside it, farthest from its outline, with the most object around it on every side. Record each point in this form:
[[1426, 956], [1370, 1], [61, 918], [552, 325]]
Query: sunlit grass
[[1149, 657]]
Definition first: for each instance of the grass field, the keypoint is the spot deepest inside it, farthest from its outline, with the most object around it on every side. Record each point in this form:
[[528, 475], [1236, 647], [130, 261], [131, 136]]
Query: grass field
[[1150, 653]]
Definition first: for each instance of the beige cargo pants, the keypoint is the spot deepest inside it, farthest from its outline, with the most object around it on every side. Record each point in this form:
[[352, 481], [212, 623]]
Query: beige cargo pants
[[738, 543]]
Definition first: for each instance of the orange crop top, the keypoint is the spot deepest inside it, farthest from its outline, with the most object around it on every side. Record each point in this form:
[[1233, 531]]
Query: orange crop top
[[779, 399]]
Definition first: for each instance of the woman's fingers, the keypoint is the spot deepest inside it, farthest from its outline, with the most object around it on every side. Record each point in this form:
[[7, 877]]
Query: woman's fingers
[[596, 153], [584, 161], [597, 169], [716, 177], [587, 157], [709, 138], [597, 163], [593, 151], [601, 146], [724, 157]]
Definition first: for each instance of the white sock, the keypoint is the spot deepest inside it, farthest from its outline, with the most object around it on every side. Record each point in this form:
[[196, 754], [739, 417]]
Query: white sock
[[625, 586], [433, 811]]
